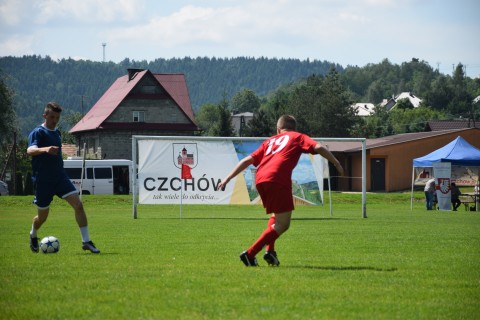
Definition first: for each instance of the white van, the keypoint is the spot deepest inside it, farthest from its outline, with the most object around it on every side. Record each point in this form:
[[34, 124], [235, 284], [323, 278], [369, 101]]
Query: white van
[[100, 176]]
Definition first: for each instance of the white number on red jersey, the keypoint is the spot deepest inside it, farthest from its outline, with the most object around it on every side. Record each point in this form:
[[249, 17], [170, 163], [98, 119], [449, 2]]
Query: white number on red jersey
[[277, 144]]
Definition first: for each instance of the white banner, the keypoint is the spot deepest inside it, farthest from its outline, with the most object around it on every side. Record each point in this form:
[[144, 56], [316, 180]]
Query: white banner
[[442, 172], [160, 174], [461, 175]]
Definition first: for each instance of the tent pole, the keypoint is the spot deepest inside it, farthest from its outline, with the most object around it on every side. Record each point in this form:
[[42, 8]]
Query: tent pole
[[411, 196]]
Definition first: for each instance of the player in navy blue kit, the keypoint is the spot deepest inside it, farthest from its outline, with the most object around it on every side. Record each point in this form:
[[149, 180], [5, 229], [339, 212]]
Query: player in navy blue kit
[[49, 176]]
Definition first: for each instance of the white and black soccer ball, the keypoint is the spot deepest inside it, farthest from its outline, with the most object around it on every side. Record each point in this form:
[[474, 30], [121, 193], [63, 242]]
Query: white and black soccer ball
[[50, 244]]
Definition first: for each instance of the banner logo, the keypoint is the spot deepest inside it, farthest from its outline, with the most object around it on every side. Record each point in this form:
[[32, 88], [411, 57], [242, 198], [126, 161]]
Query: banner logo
[[186, 154], [443, 185]]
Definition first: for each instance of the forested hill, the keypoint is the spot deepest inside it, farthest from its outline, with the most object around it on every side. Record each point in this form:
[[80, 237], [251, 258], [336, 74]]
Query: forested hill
[[78, 85]]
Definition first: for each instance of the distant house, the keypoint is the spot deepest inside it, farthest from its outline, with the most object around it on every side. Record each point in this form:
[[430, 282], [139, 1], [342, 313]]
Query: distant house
[[476, 100], [139, 103], [389, 104], [364, 109], [240, 120]]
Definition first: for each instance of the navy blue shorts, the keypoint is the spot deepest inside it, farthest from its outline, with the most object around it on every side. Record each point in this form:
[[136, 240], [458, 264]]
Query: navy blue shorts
[[45, 189]]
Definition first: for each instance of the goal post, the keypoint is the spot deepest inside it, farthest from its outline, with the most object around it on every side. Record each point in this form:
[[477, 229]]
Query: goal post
[[176, 169]]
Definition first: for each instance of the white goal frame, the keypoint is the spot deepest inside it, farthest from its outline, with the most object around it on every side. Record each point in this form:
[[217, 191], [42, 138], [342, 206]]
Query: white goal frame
[[136, 138]]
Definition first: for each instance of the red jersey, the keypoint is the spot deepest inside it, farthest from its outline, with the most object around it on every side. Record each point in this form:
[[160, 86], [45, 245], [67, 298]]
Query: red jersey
[[276, 158]]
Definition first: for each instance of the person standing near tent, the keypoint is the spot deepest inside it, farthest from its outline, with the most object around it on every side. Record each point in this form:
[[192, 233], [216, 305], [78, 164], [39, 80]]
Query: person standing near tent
[[275, 160], [455, 196], [50, 178], [429, 193]]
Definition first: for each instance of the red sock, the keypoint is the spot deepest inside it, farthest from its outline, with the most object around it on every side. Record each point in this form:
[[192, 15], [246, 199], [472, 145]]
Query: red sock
[[269, 235], [271, 246]]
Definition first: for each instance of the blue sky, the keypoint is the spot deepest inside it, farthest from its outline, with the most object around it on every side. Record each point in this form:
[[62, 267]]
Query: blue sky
[[349, 32]]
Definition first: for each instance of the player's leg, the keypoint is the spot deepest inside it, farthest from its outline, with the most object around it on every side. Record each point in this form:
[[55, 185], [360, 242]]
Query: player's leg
[[282, 222], [38, 221], [271, 246], [66, 190], [43, 198], [456, 203], [81, 218], [77, 205], [275, 198], [280, 225]]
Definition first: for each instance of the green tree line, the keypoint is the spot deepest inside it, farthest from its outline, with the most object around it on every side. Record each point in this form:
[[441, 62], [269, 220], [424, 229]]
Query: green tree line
[[265, 84], [78, 85]]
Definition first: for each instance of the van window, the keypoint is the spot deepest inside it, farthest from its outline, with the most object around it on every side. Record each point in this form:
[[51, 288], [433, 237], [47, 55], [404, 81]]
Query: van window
[[74, 173], [89, 173], [103, 173]]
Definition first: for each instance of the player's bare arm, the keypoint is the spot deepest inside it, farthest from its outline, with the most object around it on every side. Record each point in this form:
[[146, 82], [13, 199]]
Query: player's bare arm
[[324, 152], [242, 165], [35, 151]]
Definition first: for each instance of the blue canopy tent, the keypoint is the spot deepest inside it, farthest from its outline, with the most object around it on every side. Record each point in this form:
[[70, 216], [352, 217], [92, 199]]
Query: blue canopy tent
[[459, 152]]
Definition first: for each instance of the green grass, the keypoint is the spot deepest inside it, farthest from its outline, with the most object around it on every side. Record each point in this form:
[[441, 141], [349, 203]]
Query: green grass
[[396, 264]]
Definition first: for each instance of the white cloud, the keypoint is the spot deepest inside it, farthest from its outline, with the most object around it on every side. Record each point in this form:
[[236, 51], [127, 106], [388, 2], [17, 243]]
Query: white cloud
[[254, 23], [87, 10], [17, 45], [10, 12]]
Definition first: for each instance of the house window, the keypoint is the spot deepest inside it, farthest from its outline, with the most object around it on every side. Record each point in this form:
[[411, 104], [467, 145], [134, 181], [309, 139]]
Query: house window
[[148, 89], [138, 116]]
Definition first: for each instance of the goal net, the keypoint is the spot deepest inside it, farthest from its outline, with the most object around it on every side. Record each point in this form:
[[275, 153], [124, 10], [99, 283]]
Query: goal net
[[187, 170]]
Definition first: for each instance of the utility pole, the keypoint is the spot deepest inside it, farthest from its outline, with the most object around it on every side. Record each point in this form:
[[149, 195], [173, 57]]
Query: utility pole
[[14, 163], [104, 44]]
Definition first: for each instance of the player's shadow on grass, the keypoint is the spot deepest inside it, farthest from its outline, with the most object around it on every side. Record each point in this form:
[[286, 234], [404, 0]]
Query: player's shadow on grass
[[328, 218], [347, 268]]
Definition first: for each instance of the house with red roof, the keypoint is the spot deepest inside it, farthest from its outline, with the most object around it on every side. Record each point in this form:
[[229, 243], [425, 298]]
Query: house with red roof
[[139, 103]]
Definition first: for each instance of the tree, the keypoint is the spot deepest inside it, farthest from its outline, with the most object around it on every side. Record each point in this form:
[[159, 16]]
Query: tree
[[207, 117], [71, 120], [404, 104], [412, 120], [245, 101], [305, 105], [215, 120], [337, 117], [440, 93], [224, 127], [261, 125], [8, 119], [461, 102]]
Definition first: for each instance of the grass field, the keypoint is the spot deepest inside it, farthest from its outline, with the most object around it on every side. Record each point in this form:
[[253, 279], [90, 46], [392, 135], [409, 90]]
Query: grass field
[[396, 264]]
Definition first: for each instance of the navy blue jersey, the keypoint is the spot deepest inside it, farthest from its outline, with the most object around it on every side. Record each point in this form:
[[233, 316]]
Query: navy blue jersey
[[45, 165]]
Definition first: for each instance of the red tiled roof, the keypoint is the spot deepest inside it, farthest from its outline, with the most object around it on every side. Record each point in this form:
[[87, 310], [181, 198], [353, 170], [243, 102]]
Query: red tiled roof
[[174, 84]]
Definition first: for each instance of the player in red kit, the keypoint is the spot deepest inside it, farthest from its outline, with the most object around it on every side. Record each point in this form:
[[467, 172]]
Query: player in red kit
[[275, 160]]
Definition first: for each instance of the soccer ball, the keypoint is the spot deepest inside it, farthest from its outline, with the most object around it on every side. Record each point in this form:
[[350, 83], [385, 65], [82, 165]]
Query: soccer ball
[[50, 244]]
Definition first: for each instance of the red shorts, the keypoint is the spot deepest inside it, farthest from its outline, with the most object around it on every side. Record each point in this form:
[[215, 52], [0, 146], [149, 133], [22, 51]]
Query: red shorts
[[276, 198]]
